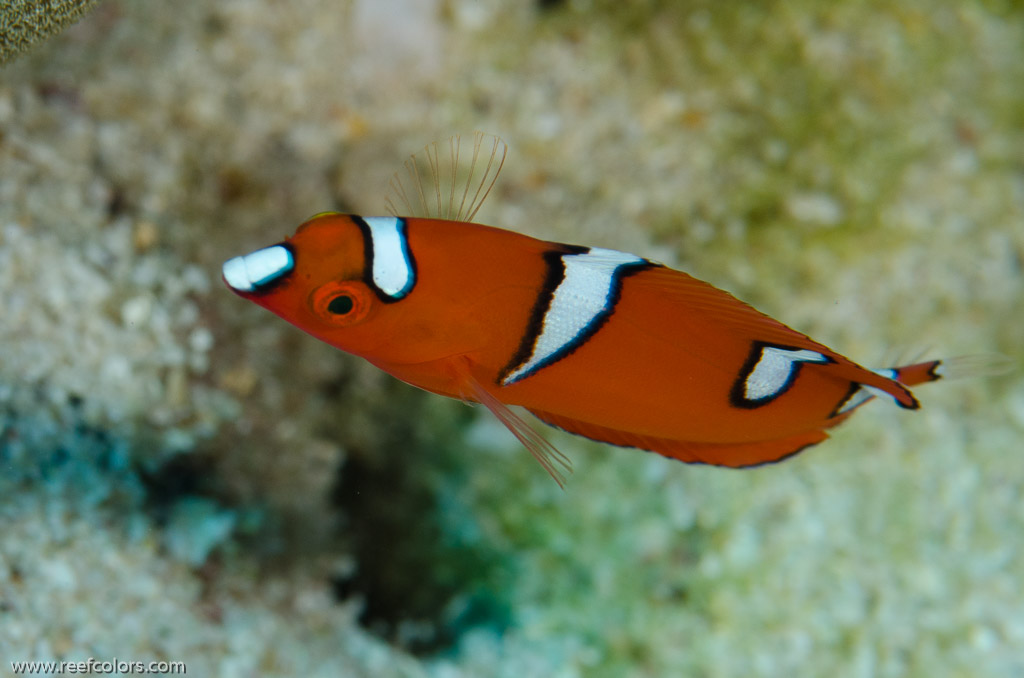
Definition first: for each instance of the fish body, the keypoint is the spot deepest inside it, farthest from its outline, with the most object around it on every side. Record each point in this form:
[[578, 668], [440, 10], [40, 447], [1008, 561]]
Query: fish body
[[601, 343]]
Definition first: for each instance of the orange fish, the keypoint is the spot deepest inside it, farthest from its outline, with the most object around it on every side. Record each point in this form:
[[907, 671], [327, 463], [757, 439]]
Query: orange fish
[[601, 343]]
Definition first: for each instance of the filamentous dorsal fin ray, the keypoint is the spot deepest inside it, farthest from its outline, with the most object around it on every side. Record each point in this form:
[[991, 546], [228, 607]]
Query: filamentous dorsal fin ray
[[450, 185]]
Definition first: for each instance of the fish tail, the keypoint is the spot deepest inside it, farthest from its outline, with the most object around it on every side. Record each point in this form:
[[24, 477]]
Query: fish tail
[[918, 373], [895, 382], [950, 368]]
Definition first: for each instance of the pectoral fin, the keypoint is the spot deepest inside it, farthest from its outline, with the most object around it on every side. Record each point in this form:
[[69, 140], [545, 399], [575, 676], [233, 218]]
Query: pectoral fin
[[554, 462]]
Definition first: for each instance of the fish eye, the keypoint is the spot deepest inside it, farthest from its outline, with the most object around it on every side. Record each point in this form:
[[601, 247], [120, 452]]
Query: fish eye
[[341, 302], [341, 305]]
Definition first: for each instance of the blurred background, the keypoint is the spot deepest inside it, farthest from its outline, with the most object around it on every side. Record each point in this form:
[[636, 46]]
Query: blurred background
[[185, 477]]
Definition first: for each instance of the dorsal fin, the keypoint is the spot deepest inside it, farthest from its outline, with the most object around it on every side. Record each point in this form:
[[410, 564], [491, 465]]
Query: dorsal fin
[[743, 320], [449, 186]]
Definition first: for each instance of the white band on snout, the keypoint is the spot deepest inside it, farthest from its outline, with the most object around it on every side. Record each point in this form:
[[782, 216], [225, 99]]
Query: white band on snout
[[258, 268]]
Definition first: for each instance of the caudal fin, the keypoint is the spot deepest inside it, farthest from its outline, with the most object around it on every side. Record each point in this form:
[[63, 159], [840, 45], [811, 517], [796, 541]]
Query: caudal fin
[[983, 365], [979, 365], [918, 373]]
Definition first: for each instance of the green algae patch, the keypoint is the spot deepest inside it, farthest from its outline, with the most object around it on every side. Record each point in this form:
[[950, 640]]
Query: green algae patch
[[25, 23]]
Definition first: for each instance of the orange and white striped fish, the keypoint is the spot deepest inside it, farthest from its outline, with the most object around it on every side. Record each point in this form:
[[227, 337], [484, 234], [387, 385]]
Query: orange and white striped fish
[[601, 343]]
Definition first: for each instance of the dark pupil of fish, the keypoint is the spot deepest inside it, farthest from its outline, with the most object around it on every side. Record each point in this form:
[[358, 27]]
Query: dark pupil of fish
[[340, 305]]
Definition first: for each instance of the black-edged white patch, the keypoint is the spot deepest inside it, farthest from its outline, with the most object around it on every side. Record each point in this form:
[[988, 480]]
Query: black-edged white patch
[[257, 271], [579, 295], [390, 268], [769, 372]]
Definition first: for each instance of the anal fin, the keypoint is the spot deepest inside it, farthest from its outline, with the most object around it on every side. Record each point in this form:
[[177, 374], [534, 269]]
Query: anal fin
[[735, 455]]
